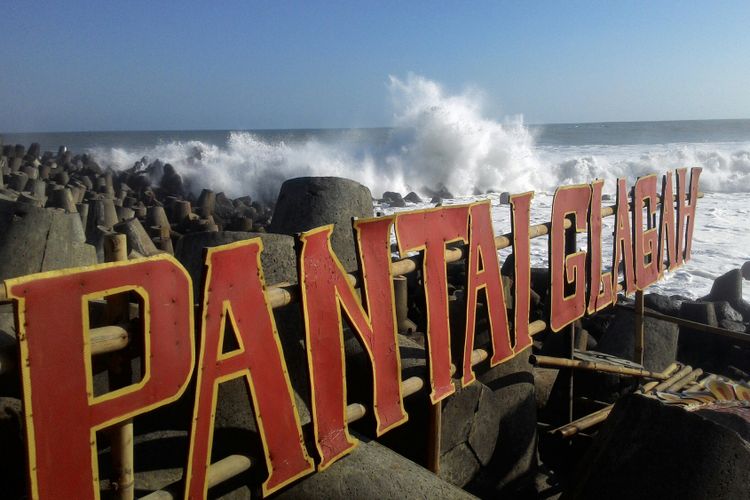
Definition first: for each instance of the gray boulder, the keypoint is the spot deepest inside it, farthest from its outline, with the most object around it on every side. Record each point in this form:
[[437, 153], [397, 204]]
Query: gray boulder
[[660, 349]]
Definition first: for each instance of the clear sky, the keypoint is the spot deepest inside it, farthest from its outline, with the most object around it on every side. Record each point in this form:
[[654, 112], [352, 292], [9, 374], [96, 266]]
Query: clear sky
[[132, 65]]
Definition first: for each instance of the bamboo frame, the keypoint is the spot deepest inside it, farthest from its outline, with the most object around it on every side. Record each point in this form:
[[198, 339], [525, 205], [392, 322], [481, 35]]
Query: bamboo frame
[[601, 415], [553, 362]]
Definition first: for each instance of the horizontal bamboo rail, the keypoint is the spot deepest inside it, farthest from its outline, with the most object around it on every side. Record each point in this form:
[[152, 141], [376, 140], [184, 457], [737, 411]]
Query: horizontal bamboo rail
[[101, 340], [218, 472], [553, 362]]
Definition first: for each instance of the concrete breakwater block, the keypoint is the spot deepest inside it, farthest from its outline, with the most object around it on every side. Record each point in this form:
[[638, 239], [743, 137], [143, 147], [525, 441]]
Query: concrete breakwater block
[[373, 471], [35, 239], [647, 449], [513, 463], [308, 202], [469, 431], [138, 239], [278, 258]]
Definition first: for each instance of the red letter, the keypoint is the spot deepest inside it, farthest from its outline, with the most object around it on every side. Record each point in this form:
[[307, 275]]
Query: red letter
[[623, 241], [234, 294], [646, 241], [484, 272], [667, 226], [567, 269], [430, 230], [600, 284], [520, 220], [62, 413], [686, 211], [325, 291]]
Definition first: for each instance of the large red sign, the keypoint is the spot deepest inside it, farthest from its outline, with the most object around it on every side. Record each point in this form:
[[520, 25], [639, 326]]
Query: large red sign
[[53, 324]]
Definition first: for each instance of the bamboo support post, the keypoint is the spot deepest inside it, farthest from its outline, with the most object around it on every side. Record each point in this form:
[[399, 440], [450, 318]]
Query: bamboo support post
[[434, 429], [639, 333], [120, 435], [552, 362]]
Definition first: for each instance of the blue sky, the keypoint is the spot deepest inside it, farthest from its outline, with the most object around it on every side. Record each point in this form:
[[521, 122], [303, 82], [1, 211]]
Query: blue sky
[[76, 65]]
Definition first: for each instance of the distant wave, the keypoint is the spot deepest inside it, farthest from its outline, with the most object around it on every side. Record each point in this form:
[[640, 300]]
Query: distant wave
[[444, 141]]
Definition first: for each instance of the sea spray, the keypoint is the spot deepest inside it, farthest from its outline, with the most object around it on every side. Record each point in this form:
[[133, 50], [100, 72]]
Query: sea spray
[[443, 140], [439, 141]]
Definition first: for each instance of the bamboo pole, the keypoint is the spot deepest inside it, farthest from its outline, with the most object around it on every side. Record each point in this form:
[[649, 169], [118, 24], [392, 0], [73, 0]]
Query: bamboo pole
[[120, 435], [434, 430], [670, 370], [744, 337], [685, 380], [674, 378], [639, 343], [218, 472], [552, 362]]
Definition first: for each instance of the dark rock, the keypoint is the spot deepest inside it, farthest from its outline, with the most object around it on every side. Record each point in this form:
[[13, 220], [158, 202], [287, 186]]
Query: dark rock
[[660, 349], [514, 459], [171, 181], [394, 199], [698, 348], [735, 326], [724, 311], [663, 304], [544, 381], [504, 198], [413, 197], [727, 287], [459, 465], [12, 467], [486, 426], [224, 208], [17, 181], [305, 203], [458, 416], [643, 442], [35, 150]]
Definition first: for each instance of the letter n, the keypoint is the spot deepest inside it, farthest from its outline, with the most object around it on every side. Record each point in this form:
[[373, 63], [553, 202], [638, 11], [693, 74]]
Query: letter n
[[326, 291]]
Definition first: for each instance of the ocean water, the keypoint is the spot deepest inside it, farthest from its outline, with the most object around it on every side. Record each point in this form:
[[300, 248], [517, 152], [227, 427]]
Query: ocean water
[[441, 140]]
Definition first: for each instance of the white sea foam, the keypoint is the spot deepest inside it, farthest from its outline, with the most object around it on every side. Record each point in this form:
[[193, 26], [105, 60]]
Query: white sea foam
[[446, 140]]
